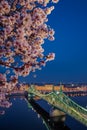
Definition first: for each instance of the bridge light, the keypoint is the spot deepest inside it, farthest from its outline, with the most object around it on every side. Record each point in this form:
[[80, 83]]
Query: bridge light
[[38, 115], [53, 99], [48, 119], [43, 122], [57, 92]]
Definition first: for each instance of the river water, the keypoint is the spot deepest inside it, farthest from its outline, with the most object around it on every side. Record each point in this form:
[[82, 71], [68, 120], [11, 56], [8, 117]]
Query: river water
[[22, 116]]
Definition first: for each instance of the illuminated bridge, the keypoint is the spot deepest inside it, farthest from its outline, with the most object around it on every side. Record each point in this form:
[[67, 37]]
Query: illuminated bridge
[[59, 100]]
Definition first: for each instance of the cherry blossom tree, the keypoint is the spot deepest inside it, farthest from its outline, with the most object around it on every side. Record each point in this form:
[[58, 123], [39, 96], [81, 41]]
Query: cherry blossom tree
[[23, 30]]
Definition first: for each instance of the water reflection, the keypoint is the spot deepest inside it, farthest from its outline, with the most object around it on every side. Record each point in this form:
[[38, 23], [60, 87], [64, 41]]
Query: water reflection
[[50, 123]]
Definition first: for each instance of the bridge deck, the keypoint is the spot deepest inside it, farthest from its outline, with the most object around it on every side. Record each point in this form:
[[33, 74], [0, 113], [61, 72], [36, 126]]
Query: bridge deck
[[64, 103]]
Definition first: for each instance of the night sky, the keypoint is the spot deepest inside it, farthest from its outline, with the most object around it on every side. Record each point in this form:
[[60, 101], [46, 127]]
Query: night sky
[[69, 20]]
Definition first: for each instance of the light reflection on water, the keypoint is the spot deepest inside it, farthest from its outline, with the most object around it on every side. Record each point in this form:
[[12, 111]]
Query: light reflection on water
[[20, 117], [51, 123]]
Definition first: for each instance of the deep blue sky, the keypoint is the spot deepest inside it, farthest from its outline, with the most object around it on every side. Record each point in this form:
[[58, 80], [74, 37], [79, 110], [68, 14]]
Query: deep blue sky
[[69, 20]]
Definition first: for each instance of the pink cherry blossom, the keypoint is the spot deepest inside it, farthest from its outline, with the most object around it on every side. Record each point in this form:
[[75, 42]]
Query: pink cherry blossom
[[23, 30]]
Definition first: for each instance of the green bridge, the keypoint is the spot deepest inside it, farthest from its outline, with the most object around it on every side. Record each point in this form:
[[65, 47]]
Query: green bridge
[[62, 102]]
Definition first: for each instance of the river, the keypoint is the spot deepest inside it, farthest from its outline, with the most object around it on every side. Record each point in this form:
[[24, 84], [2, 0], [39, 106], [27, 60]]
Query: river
[[22, 116]]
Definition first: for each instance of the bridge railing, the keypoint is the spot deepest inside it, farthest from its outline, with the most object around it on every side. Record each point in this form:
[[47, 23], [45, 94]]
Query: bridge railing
[[64, 103], [61, 96], [71, 103]]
